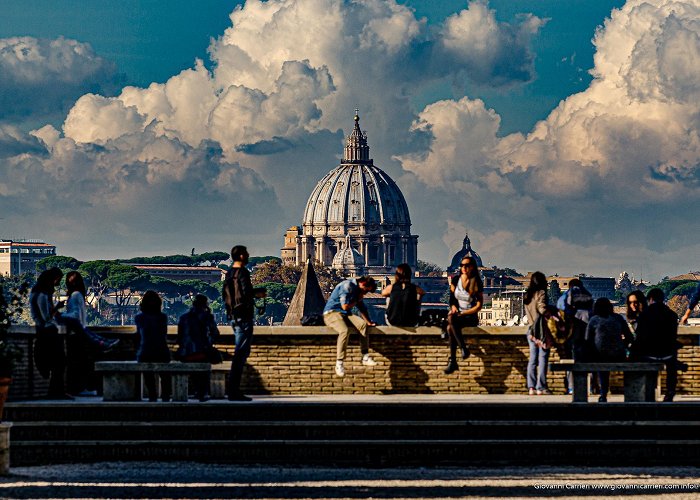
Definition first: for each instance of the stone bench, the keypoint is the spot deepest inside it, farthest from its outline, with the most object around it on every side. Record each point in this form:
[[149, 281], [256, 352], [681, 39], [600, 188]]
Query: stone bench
[[640, 379], [219, 376], [122, 381]]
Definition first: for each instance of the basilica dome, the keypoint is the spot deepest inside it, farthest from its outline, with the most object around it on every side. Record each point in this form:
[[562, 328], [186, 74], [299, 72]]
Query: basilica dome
[[359, 200]]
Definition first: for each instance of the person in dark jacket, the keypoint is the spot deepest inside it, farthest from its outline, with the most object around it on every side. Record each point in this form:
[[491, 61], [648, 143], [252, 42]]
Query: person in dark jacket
[[608, 336], [656, 338], [403, 305], [196, 334], [239, 298], [152, 337]]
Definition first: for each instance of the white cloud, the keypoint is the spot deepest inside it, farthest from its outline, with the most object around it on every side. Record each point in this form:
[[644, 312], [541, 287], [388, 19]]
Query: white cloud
[[40, 76]]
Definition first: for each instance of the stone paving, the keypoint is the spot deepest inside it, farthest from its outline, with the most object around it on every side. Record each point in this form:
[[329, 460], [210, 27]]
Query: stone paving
[[193, 480]]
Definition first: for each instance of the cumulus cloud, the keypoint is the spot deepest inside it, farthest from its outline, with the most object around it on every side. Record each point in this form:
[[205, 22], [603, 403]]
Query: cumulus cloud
[[39, 76], [621, 154]]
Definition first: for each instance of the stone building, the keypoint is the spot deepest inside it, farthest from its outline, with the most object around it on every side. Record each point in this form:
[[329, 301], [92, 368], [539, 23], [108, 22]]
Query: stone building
[[356, 219], [21, 256]]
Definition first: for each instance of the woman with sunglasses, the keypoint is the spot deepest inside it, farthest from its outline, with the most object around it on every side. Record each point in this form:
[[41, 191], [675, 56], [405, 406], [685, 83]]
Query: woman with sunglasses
[[466, 300], [636, 303]]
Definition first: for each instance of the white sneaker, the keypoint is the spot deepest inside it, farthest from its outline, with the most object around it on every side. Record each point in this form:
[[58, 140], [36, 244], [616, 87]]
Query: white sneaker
[[339, 369], [368, 361]]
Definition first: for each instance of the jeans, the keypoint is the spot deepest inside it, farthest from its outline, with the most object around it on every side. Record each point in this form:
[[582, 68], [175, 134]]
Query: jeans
[[243, 331], [537, 366]]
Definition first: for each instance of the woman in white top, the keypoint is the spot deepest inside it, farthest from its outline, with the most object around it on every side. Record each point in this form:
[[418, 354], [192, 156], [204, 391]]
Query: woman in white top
[[466, 300]]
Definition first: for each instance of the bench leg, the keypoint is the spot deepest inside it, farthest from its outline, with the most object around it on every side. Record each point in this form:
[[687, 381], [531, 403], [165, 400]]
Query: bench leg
[[580, 387], [652, 379], [121, 387], [635, 387], [180, 387], [217, 384]]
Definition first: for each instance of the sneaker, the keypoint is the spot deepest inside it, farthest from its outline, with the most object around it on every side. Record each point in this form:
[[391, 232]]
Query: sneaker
[[452, 367], [668, 398], [531, 391], [544, 392], [339, 369], [602, 399], [368, 361]]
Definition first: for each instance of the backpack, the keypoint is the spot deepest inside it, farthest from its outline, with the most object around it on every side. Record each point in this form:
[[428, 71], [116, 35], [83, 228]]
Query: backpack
[[403, 305], [232, 295], [580, 299]]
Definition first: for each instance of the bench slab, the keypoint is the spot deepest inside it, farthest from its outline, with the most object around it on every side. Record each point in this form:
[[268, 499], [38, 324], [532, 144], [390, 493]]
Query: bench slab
[[122, 381]]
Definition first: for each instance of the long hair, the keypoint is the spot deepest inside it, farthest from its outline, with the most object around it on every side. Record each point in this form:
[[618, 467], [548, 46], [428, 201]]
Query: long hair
[[75, 283], [150, 302], [632, 315], [474, 284], [46, 282], [403, 273], [538, 281]]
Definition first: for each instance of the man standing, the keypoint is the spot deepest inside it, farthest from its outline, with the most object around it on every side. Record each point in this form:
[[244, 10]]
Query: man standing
[[656, 338], [694, 299], [336, 314], [239, 298]]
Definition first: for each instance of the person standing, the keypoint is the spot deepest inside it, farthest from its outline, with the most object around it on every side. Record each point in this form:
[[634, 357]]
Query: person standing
[[694, 299], [152, 338], [337, 315], [575, 306], [608, 336], [656, 338], [466, 300], [536, 305], [49, 350], [239, 299], [196, 334], [636, 304]]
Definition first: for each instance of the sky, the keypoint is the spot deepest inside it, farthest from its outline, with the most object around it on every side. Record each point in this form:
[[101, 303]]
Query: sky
[[563, 136]]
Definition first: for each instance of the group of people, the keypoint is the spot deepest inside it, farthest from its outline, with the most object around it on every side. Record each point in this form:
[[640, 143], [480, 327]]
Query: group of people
[[592, 331]]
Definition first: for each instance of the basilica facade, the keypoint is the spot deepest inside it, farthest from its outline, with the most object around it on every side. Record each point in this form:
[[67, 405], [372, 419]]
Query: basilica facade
[[356, 219]]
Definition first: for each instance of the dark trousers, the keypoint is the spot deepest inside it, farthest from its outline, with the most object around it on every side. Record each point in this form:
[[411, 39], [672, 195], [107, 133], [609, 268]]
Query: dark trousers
[[604, 377], [149, 380], [243, 331], [455, 323], [671, 363], [50, 358]]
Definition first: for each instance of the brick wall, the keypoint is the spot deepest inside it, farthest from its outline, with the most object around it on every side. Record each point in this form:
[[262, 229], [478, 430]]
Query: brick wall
[[300, 360]]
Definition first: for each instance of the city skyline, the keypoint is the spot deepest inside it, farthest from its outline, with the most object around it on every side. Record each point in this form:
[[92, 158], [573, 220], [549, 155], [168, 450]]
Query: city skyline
[[498, 118]]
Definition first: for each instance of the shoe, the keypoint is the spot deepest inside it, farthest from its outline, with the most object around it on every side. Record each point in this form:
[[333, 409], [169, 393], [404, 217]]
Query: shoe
[[110, 344], [368, 361], [87, 394], [465, 352], [544, 392], [602, 399], [239, 396], [339, 368], [569, 391], [531, 391], [444, 335], [452, 367], [668, 398], [204, 399]]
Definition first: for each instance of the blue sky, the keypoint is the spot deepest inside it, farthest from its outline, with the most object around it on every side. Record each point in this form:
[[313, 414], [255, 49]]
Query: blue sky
[[561, 134]]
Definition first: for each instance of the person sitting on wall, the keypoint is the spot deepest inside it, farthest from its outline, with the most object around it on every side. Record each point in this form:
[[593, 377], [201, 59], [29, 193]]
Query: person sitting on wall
[[403, 308], [337, 315]]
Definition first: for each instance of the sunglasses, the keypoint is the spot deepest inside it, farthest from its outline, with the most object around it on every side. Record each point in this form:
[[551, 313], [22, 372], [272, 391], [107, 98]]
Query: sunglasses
[[633, 302], [469, 264]]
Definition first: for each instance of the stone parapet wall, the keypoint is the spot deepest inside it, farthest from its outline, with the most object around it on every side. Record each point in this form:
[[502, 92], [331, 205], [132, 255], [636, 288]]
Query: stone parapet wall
[[300, 360]]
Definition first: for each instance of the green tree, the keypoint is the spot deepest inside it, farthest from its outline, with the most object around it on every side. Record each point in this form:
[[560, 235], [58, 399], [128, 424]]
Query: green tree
[[274, 271], [124, 281], [60, 261], [215, 258], [254, 261], [429, 269], [96, 273]]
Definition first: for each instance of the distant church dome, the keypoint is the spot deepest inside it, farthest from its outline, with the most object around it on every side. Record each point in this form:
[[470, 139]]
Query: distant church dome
[[466, 250], [348, 259], [360, 200]]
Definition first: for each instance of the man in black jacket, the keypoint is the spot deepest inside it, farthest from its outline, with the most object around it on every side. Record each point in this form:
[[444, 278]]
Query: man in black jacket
[[239, 298], [656, 338]]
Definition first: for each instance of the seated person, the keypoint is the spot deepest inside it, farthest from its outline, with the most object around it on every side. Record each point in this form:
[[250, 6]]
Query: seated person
[[403, 306]]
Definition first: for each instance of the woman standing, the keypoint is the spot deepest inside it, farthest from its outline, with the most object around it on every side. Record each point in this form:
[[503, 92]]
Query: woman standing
[[403, 298], [636, 303], [466, 300], [49, 351], [535, 305], [152, 335]]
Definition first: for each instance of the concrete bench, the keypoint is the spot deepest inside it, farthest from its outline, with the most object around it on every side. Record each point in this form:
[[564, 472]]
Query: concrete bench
[[219, 376], [122, 381], [639, 378]]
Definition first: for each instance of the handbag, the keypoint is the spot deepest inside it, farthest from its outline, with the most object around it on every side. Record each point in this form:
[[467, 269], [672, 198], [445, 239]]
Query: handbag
[[214, 356]]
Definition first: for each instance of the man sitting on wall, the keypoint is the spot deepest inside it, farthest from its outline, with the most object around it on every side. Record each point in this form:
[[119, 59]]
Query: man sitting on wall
[[337, 315]]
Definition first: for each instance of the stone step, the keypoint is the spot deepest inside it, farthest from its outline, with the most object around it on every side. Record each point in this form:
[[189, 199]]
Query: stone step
[[267, 410], [357, 452], [340, 430]]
